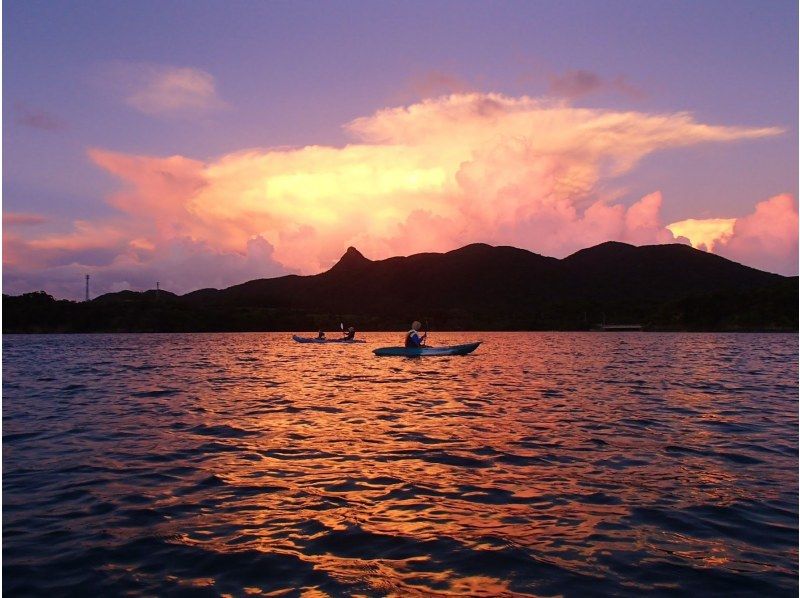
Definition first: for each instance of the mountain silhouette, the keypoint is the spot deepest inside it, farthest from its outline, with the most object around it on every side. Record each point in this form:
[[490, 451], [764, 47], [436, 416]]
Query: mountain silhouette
[[667, 287]]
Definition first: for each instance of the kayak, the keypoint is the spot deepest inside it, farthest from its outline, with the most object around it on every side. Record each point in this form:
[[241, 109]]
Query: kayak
[[426, 351], [306, 339]]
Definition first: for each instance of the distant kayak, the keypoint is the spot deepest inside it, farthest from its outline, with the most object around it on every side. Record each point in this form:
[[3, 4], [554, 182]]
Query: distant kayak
[[322, 341], [426, 351]]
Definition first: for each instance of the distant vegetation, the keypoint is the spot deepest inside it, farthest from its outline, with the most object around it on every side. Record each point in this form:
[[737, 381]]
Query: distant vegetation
[[478, 287]]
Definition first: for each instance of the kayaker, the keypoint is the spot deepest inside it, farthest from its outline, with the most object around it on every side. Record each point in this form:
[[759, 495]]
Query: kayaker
[[413, 339], [350, 334], [321, 335]]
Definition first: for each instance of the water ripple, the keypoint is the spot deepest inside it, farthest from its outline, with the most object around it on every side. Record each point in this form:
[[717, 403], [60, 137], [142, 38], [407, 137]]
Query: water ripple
[[543, 464]]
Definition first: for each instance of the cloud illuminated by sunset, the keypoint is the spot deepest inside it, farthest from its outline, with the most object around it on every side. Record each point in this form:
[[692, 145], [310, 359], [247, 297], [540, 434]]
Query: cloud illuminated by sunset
[[161, 90], [431, 176], [22, 219], [704, 233]]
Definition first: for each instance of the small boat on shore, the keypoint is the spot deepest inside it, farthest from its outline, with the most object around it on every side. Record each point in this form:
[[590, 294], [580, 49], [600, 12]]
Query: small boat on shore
[[426, 351], [322, 341]]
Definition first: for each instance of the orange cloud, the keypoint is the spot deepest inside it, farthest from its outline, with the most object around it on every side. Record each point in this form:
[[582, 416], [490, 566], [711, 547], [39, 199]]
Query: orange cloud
[[430, 176]]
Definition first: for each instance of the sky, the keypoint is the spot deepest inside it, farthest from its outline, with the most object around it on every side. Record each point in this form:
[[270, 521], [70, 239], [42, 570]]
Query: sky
[[203, 144]]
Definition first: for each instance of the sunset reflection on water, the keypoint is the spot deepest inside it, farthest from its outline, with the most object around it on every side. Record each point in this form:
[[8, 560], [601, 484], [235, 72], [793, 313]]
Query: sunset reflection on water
[[541, 464]]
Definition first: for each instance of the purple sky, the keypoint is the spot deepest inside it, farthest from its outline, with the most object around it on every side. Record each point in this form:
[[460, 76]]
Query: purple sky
[[83, 76]]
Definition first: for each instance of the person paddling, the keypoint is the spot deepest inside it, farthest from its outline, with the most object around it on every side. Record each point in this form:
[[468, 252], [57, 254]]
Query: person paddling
[[321, 335], [349, 335], [413, 339]]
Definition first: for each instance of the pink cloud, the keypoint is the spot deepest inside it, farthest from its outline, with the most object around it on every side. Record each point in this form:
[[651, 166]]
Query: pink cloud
[[180, 264], [22, 219], [157, 189], [93, 244], [766, 239], [430, 176]]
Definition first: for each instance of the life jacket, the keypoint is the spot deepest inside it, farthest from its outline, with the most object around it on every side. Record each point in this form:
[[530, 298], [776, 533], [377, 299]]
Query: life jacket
[[409, 342]]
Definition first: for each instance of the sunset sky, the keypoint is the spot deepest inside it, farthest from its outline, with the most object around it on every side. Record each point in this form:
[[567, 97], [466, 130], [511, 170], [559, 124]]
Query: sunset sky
[[208, 143]]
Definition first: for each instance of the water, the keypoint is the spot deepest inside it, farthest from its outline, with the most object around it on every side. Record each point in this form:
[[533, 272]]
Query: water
[[542, 464]]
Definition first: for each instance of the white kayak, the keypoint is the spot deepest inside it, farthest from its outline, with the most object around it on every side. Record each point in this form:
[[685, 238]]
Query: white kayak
[[426, 351], [322, 341]]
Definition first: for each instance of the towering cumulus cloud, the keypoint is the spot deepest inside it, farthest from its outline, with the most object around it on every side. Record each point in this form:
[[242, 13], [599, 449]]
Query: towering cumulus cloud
[[765, 239], [431, 176]]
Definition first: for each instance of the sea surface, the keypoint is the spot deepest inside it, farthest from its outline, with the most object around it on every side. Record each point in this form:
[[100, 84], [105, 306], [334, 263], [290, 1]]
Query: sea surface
[[543, 464]]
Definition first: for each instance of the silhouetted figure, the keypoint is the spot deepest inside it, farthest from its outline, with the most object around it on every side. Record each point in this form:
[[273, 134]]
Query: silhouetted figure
[[350, 334], [413, 339], [321, 335]]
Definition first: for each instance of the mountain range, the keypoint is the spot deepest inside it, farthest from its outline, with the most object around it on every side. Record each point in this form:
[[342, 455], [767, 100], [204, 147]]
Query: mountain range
[[477, 287]]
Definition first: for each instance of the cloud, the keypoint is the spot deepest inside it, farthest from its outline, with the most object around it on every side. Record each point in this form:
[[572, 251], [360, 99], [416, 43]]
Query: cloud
[[430, 176], [544, 125], [22, 219], [579, 83], [91, 244], [435, 83], [36, 118], [162, 90], [704, 233], [180, 264], [765, 239]]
